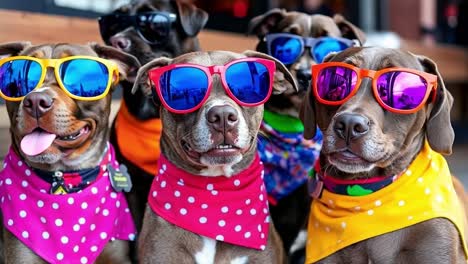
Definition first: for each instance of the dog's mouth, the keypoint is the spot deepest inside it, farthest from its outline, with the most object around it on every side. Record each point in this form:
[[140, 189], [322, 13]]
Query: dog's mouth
[[350, 162], [39, 140]]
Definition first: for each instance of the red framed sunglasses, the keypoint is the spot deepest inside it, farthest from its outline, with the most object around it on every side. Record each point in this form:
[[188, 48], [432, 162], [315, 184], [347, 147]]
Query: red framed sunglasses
[[183, 88], [398, 90]]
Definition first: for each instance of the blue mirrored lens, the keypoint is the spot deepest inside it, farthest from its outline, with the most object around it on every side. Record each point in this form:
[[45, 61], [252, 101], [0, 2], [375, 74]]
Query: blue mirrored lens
[[327, 45], [248, 81], [183, 88], [19, 77], [286, 49], [84, 78]]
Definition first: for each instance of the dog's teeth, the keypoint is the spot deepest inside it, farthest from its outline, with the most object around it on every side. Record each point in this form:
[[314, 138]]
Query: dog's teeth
[[224, 146]]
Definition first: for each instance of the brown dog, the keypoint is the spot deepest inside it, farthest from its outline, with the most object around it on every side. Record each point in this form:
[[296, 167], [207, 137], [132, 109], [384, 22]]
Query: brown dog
[[80, 143], [193, 143], [137, 127], [289, 210], [362, 140]]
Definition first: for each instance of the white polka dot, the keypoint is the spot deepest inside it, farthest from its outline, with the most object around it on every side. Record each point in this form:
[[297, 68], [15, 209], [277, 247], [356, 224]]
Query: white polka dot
[[357, 208], [370, 212], [408, 172], [183, 211], [83, 239], [265, 210], [92, 227], [76, 227], [401, 203], [439, 198], [238, 228], [220, 238], [113, 195], [191, 199], [236, 182], [131, 237], [20, 163], [10, 222], [238, 212], [253, 211], [327, 229], [247, 201], [204, 206], [155, 193], [163, 184], [25, 234], [55, 206], [64, 240], [247, 234], [45, 235], [117, 204], [82, 220], [84, 205], [24, 183], [103, 235], [262, 247], [427, 191], [94, 248], [43, 220], [103, 200], [59, 256], [330, 201], [105, 212], [8, 181], [23, 213], [58, 222], [410, 217], [177, 194], [224, 209], [214, 192], [420, 180], [84, 260], [259, 227], [343, 225], [209, 187], [94, 190], [203, 220], [164, 167], [98, 209], [260, 197], [378, 203], [76, 248], [221, 223], [22, 197], [167, 206], [161, 171], [262, 235], [267, 219], [71, 200]]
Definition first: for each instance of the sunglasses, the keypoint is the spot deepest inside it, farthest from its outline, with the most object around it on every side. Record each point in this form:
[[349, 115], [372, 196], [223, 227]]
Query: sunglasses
[[288, 48], [153, 27], [183, 88], [81, 77], [398, 90]]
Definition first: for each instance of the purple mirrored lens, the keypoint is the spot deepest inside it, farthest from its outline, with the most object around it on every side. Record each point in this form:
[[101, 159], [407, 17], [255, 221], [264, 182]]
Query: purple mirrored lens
[[336, 83], [401, 90]]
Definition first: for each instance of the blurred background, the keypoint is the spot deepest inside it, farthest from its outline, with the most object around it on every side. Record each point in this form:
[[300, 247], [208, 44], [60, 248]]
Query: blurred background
[[434, 28]]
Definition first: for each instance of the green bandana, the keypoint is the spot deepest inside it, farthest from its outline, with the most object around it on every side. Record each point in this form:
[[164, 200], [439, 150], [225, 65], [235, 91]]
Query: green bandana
[[283, 123]]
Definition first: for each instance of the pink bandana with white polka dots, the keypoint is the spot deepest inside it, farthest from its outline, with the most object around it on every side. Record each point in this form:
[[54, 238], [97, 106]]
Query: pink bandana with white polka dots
[[71, 228], [233, 210]]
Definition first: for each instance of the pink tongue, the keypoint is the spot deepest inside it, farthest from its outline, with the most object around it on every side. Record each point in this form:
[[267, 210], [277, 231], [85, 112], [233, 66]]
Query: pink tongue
[[37, 142]]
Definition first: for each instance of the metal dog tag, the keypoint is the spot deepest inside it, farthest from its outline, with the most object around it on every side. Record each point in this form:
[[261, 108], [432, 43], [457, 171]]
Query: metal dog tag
[[120, 179]]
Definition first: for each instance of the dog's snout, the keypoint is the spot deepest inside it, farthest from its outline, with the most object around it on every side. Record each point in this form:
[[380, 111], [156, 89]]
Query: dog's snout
[[351, 126], [120, 42], [222, 117], [37, 104], [304, 76]]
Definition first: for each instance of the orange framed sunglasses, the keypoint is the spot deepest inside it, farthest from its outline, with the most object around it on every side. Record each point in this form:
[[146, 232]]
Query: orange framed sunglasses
[[398, 90]]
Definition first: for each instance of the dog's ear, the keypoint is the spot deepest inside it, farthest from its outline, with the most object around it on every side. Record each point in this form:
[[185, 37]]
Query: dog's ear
[[307, 116], [348, 29], [439, 131], [263, 24], [128, 64], [192, 18], [13, 48], [142, 80], [283, 79]]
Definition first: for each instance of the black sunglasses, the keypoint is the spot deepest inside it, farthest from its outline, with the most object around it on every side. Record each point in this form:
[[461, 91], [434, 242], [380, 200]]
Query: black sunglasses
[[153, 27]]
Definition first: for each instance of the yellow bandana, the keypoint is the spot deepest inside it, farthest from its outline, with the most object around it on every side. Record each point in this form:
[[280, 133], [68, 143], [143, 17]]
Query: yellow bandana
[[138, 140], [425, 191]]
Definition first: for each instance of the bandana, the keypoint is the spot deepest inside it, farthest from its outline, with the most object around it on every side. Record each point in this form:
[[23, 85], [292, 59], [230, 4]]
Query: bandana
[[62, 228], [288, 159], [138, 140], [233, 210], [423, 192]]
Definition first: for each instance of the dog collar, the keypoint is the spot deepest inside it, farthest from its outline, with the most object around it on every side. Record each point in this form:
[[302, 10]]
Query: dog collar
[[283, 123], [358, 187], [68, 228], [287, 158], [230, 209]]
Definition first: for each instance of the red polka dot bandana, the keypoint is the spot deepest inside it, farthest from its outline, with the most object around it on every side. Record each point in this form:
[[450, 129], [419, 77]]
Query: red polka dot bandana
[[230, 209], [71, 228]]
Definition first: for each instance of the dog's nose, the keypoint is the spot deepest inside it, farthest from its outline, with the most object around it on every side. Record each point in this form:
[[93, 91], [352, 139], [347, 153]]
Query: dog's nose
[[37, 104], [351, 126], [303, 77], [120, 42], [222, 117]]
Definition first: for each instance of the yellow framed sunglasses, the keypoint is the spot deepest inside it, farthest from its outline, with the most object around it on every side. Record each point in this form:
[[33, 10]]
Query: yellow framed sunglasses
[[83, 78]]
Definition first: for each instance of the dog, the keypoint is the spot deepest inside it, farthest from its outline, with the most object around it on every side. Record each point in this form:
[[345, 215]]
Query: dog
[[288, 157], [382, 159], [136, 130], [209, 150], [57, 200]]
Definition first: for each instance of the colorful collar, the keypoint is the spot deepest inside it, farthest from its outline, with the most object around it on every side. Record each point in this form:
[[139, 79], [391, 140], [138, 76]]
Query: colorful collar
[[283, 123], [359, 187], [233, 210], [66, 228], [287, 158], [138, 140]]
